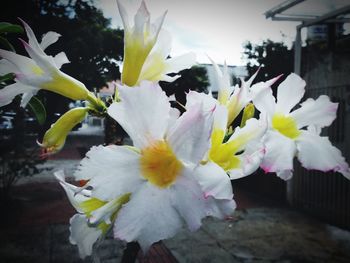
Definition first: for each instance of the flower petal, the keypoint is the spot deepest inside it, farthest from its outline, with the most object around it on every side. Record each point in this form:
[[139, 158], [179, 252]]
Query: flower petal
[[316, 152], [45, 62], [250, 160], [48, 39], [187, 197], [279, 152], [33, 42], [8, 93], [289, 93], [111, 171], [61, 59], [190, 135], [82, 235], [320, 112], [75, 194], [254, 129], [263, 99], [143, 113], [214, 181], [24, 65], [7, 67], [148, 217]]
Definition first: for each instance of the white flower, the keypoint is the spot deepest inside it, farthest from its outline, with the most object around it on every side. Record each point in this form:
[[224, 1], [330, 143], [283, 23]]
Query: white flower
[[235, 98], [162, 171], [286, 137], [86, 227], [146, 50], [38, 72], [241, 153]]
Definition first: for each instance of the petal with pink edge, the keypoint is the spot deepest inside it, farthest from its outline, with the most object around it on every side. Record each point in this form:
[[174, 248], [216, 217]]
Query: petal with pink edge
[[189, 137], [279, 152], [320, 112], [316, 152]]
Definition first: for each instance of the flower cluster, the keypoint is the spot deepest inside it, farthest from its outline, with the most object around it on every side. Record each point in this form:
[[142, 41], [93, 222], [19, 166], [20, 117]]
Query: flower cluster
[[180, 167]]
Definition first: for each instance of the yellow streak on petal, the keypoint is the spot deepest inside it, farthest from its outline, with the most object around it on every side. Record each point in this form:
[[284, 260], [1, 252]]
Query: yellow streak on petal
[[233, 109], [90, 205], [67, 86], [223, 154], [155, 69], [159, 164], [285, 125], [135, 53], [37, 70]]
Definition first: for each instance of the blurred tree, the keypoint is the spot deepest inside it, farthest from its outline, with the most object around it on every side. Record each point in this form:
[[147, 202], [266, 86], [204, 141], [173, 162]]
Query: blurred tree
[[274, 58], [195, 78]]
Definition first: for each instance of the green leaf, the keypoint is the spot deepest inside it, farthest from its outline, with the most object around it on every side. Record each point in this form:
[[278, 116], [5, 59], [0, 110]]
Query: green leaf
[[38, 109], [9, 76], [10, 28], [6, 44]]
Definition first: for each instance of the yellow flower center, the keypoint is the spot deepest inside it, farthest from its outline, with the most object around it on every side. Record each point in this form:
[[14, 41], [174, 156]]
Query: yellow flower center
[[223, 154], [285, 125], [159, 164]]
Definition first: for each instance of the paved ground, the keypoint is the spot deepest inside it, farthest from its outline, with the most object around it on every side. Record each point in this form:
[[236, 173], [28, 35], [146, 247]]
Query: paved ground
[[34, 228]]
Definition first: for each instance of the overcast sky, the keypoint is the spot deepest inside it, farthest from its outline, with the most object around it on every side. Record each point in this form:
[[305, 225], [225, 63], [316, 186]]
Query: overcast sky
[[216, 28]]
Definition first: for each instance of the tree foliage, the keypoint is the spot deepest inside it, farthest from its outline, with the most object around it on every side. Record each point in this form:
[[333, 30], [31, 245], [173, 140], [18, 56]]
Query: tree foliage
[[274, 58], [195, 78]]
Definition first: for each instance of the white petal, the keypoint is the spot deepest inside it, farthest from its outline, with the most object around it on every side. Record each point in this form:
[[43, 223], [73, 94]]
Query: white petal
[[289, 93], [220, 117], [8, 93], [27, 96], [141, 18], [75, 194], [111, 171], [174, 114], [7, 67], [190, 135], [176, 64], [24, 65], [220, 208], [61, 59], [223, 80], [214, 181], [33, 42], [316, 152], [254, 129], [46, 63], [320, 112], [285, 174], [124, 16], [143, 113], [148, 217], [263, 99], [82, 235], [48, 39], [189, 201], [250, 160], [194, 97], [279, 152]]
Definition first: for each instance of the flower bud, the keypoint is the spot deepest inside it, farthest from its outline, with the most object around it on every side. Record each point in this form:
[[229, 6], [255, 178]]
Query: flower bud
[[55, 137]]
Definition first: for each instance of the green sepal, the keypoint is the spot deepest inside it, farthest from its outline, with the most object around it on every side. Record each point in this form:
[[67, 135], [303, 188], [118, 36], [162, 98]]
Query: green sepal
[[36, 106], [6, 27]]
